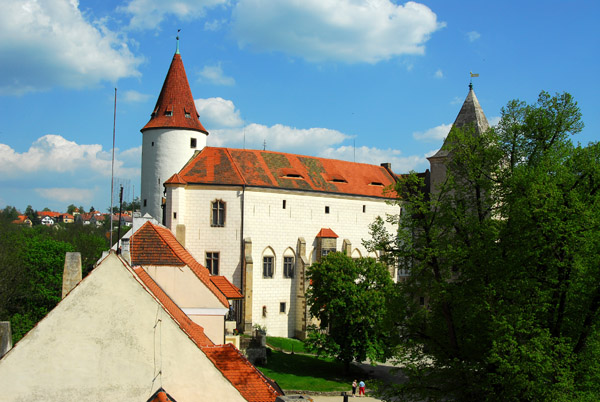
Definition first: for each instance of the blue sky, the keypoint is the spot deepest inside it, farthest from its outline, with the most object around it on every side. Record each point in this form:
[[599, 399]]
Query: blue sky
[[367, 80]]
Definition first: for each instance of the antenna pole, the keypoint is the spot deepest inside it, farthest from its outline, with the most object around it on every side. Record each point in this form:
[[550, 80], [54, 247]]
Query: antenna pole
[[112, 170]]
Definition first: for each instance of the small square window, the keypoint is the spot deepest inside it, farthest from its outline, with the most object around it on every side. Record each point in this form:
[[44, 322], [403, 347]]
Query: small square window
[[364, 209], [193, 143], [174, 215], [152, 143], [145, 202], [326, 210], [282, 307], [283, 204]]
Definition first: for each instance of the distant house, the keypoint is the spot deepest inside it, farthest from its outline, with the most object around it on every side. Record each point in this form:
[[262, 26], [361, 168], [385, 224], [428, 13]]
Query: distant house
[[23, 220], [118, 336], [48, 221], [67, 218]]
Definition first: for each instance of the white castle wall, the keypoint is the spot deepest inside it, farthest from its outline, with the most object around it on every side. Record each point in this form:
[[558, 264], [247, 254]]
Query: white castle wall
[[272, 227], [164, 152]]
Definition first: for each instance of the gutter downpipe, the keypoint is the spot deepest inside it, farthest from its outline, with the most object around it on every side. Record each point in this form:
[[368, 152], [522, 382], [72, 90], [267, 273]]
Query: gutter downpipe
[[242, 257]]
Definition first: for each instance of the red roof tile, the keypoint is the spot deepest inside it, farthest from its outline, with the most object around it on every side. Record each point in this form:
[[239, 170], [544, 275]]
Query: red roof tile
[[156, 245], [161, 396], [285, 171], [326, 232], [175, 179], [175, 107], [193, 330], [251, 383], [227, 288]]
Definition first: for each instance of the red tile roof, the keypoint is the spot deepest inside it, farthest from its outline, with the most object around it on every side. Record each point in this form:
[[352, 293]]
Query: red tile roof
[[251, 383], [176, 100], [161, 396], [156, 245], [326, 232], [258, 168], [193, 330], [227, 288]]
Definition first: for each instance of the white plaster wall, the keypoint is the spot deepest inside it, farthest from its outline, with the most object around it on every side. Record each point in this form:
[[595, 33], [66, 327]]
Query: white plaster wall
[[170, 152], [214, 326], [184, 287], [269, 225], [107, 340]]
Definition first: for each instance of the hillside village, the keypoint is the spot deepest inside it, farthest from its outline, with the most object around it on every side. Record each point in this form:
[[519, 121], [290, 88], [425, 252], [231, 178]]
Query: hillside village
[[222, 247]]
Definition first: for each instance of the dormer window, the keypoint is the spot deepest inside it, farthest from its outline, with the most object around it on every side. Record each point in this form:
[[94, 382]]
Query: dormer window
[[292, 176], [169, 113], [376, 183], [188, 116]]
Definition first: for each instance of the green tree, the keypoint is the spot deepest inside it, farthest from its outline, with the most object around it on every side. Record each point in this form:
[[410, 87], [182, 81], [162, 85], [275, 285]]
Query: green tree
[[506, 255], [9, 213], [71, 208], [348, 297]]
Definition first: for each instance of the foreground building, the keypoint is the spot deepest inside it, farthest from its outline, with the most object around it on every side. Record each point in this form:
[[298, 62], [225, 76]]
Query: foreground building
[[119, 336]]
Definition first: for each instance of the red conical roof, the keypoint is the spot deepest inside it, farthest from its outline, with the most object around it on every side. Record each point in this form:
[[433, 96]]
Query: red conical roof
[[175, 106]]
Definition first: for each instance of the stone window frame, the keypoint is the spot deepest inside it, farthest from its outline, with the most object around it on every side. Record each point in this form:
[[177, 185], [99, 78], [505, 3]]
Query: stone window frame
[[288, 266], [218, 207], [268, 263], [212, 259]]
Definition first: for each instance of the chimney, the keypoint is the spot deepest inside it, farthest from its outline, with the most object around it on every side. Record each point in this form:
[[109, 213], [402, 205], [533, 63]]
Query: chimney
[[125, 250], [5, 338], [71, 273]]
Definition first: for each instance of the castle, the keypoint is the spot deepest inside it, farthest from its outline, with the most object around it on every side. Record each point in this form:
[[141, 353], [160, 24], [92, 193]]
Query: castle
[[260, 218]]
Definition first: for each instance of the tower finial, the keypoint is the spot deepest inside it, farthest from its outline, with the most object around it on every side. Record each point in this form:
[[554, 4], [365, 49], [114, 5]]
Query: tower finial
[[177, 50], [471, 81]]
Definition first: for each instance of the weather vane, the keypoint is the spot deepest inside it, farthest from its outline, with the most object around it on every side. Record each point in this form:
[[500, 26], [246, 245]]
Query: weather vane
[[177, 37], [471, 81]]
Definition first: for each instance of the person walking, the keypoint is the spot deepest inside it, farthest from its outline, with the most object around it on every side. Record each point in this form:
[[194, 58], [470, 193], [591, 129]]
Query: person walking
[[353, 388], [361, 388]]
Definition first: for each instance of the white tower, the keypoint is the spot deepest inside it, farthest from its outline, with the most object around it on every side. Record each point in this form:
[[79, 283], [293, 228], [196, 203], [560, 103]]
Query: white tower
[[170, 138]]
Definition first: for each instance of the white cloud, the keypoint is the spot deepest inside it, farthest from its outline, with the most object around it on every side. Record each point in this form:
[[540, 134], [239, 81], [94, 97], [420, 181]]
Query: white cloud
[[135, 96], [335, 30], [215, 75], [53, 155], [214, 25], [277, 138], [377, 156], [218, 113], [55, 172], [148, 14], [434, 134], [473, 36], [77, 196], [50, 43], [439, 74]]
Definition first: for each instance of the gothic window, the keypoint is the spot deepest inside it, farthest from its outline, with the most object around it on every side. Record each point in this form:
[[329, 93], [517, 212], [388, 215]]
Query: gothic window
[[218, 214], [268, 266], [288, 267]]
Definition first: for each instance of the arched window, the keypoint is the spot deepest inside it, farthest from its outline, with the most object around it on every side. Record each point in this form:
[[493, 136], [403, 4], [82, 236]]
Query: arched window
[[218, 213], [268, 263], [288, 263]]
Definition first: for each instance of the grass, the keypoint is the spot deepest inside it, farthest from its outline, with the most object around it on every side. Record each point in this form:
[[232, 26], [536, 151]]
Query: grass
[[286, 344], [308, 373]]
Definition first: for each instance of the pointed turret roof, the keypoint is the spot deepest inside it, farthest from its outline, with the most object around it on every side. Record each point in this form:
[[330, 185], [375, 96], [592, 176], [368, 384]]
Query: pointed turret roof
[[470, 113], [175, 106]]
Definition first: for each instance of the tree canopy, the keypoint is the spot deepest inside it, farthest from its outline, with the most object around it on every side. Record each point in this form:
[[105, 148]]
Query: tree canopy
[[349, 299], [506, 254]]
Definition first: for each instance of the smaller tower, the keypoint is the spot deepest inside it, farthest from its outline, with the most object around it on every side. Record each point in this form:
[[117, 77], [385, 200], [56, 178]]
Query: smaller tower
[[170, 138], [470, 113]]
